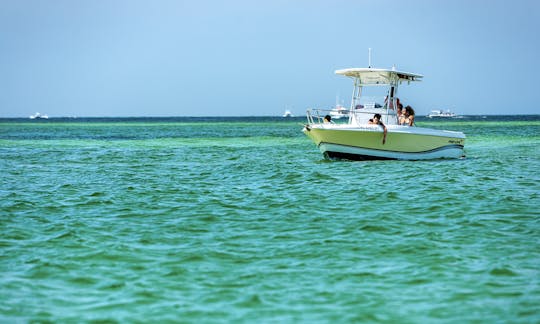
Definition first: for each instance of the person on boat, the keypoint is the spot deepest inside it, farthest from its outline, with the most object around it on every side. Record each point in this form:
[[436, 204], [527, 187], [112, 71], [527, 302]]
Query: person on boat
[[391, 106], [402, 120], [408, 117], [328, 119], [399, 111], [376, 120]]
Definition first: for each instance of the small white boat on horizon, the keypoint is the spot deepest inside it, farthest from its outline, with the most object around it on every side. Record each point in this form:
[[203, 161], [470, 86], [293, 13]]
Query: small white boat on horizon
[[287, 113], [359, 139], [339, 112], [39, 116], [442, 114]]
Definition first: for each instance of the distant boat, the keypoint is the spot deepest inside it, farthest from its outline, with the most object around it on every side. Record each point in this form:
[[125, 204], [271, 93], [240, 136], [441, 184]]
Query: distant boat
[[39, 116], [288, 113], [441, 114], [339, 112]]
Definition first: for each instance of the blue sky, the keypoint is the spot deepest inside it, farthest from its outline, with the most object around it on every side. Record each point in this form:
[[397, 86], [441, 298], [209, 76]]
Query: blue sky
[[257, 58]]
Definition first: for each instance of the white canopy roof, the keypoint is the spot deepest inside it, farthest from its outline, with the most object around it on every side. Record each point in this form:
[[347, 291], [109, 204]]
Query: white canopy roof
[[379, 76]]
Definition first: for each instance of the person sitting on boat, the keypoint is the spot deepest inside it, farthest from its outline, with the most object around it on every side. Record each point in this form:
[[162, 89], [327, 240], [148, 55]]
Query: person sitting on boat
[[376, 120], [328, 119], [408, 117]]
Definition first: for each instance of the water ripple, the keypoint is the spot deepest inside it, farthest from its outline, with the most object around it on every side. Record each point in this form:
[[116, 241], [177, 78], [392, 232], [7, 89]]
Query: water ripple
[[167, 223]]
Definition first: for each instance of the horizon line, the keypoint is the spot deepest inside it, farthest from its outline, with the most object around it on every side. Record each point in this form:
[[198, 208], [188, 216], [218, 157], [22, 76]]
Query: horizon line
[[229, 116]]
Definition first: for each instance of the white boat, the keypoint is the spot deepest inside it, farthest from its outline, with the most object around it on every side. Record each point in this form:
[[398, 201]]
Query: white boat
[[39, 116], [339, 112], [359, 140], [441, 114], [287, 113]]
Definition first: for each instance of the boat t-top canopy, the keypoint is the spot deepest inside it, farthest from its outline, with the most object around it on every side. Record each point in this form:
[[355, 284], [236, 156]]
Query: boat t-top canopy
[[371, 76]]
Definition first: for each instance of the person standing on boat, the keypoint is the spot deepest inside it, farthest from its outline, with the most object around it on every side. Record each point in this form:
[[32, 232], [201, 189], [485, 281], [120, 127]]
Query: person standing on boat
[[399, 112], [391, 104], [377, 121]]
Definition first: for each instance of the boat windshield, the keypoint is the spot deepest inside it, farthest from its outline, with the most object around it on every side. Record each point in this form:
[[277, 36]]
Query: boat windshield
[[371, 97]]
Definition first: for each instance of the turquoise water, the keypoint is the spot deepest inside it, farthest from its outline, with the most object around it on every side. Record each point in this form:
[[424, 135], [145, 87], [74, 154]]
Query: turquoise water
[[241, 220]]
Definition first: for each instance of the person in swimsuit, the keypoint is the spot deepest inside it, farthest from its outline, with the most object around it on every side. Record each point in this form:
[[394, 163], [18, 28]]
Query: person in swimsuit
[[408, 117]]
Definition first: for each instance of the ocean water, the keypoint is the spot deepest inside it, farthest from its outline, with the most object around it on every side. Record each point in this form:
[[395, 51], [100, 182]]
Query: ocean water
[[220, 220]]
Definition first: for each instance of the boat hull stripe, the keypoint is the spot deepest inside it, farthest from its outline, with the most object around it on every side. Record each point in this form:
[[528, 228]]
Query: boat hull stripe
[[446, 147], [359, 153]]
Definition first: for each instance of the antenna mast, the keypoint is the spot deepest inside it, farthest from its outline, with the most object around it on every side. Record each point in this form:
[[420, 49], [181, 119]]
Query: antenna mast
[[369, 57]]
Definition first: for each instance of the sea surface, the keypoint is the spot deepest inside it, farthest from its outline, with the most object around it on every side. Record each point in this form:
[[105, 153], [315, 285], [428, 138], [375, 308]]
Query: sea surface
[[241, 220]]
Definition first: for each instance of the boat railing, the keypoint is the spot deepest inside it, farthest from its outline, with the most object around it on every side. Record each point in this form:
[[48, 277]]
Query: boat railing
[[316, 116], [359, 116]]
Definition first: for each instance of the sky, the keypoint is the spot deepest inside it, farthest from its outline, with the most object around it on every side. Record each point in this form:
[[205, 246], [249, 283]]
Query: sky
[[117, 58]]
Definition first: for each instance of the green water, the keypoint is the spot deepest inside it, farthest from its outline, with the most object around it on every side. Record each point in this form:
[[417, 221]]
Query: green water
[[225, 220]]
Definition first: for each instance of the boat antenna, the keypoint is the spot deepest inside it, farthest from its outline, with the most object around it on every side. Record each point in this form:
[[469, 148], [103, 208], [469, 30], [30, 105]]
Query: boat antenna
[[369, 57]]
